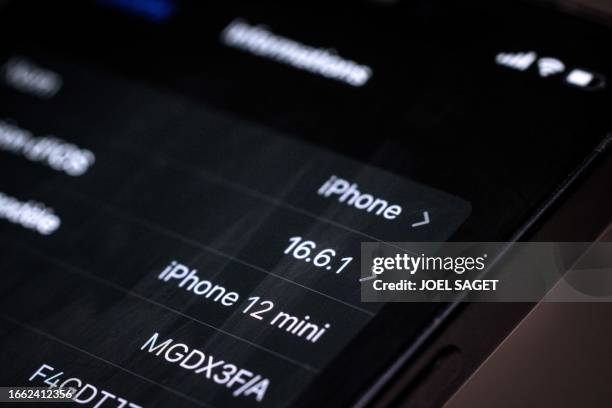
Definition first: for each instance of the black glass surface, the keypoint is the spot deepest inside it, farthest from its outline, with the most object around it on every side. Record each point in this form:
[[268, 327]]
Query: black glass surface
[[160, 147]]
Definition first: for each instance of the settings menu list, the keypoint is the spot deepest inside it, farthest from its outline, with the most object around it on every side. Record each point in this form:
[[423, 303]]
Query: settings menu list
[[161, 253]]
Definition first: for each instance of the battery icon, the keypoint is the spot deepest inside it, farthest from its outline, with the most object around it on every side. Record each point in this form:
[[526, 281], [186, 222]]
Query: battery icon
[[587, 80]]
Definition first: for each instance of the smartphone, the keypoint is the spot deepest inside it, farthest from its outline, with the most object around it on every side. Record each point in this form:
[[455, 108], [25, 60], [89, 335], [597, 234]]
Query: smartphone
[[185, 186]]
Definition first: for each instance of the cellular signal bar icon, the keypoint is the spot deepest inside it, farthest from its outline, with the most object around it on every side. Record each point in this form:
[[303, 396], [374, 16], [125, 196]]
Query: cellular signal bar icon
[[520, 61]]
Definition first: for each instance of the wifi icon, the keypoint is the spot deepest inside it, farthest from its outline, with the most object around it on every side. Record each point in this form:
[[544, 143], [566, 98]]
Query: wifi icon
[[550, 66]]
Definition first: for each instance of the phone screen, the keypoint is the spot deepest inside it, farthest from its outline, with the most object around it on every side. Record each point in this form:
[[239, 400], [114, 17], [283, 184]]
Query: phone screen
[[185, 186]]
